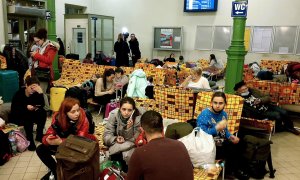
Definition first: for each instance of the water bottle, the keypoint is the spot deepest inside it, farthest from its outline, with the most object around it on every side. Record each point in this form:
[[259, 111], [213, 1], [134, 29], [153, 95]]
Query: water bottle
[[51, 177], [12, 140]]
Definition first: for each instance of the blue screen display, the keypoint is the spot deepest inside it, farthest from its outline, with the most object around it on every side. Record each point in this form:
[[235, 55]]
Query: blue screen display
[[200, 5]]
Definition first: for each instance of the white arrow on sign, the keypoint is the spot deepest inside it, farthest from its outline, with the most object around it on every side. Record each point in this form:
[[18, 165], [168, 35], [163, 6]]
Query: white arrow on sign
[[238, 12]]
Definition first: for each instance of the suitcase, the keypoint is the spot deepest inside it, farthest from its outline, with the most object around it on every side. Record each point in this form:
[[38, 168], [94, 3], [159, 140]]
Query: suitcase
[[57, 95], [78, 159], [113, 104], [9, 84]]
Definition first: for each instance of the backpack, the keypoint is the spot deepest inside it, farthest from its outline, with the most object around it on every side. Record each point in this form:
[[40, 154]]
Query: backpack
[[256, 153], [22, 142], [78, 159], [5, 150]]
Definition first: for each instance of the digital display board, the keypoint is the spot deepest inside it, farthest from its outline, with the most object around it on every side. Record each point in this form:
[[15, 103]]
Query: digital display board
[[200, 5]]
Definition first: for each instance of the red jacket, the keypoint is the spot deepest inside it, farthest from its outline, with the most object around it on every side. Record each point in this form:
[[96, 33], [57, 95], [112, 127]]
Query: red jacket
[[83, 130], [46, 59]]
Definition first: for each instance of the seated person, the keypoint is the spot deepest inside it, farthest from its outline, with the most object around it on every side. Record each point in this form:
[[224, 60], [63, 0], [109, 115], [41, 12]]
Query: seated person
[[27, 108], [149, 91], [160, 158], [265, 75], [213, 62], [121, 130], [104, 88], [121, 80], [88, 59], [70, 119], [258, 105], [213, 121], [170, 58], [181, 60], [196, 80]]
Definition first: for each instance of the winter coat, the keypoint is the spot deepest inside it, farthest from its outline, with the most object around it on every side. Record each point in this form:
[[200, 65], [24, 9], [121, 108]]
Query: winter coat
[[46, 58], [122, 50], [137, 84], [135, 50], [82, 130], [115, 127]]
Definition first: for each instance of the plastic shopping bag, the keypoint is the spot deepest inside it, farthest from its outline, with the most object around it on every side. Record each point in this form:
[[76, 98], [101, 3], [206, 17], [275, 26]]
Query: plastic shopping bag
[[200, 146]]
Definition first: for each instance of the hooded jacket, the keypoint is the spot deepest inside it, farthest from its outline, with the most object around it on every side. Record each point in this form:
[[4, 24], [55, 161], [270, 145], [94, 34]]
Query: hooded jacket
[[46, 56], [137, 84]]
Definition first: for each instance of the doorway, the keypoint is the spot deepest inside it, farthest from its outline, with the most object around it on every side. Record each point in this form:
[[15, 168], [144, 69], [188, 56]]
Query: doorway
[[79, 42]]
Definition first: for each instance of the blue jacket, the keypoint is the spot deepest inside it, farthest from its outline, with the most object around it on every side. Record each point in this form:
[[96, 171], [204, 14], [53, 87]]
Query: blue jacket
[[207, 121]]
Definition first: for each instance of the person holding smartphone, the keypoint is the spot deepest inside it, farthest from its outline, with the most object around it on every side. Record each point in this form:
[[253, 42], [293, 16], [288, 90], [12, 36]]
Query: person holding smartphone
[[27, 108], [121, 131], [70, 119]]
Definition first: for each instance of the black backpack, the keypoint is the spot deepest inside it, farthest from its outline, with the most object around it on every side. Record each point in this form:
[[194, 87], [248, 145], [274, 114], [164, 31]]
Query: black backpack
[[257, 151], [5, 150]]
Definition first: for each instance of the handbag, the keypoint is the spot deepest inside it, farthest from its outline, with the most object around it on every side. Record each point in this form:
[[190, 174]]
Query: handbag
[[200, 146], [43, 74], [22, 142]]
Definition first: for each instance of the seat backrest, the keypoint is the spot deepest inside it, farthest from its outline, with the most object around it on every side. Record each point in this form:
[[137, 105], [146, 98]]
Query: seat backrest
[[147, 104], [233, 108], [174, 102]]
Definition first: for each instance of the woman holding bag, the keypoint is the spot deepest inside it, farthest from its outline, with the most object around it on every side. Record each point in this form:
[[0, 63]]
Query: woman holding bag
[[213, 121], [43, 58]]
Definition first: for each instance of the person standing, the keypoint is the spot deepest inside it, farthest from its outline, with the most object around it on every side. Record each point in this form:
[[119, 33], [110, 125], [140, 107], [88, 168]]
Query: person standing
[[134, 47], [43, 58], [122, 50], [160, 158]]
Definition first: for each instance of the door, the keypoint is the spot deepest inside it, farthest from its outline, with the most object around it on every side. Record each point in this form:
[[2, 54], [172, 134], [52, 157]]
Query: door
[[79, 42]]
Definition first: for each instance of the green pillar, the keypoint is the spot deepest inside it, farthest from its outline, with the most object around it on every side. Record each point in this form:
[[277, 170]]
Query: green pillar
[[52, 33], [235, 55]]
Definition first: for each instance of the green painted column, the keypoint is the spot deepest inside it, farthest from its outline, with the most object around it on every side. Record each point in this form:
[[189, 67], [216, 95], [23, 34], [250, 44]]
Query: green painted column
[[235, 55], [52, 33]]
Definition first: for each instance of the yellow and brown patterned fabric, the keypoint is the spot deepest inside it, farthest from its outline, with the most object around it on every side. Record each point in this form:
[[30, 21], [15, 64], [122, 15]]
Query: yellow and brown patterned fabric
[[267, 125], [204, 63], [174, 102], [201, 174], [3, 64], [144, 66], [86, 71], [127, 70], [170, 77], [99, 131], [183, 74], [70, 74], [147, 104], [157, 74], [233, 108], [274, 65]]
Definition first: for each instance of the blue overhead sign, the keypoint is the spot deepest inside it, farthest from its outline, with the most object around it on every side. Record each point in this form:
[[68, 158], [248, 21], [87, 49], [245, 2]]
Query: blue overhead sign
[[239, 9]]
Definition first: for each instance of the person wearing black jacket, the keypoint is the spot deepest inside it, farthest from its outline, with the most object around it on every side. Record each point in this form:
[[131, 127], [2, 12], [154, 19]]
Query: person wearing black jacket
[[122, 50], [135, 50], [27, 108]]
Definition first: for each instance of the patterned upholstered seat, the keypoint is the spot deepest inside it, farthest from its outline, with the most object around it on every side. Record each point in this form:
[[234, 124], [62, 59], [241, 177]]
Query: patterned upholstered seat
[[233, 108], [170, 77], [174, 102], [147, 104], [144, 66], [204, 63], [127, 70]]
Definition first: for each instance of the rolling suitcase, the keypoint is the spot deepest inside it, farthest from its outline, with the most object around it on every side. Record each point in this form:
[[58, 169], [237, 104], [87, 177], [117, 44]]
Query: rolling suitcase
[[57, 95], [9, 84], [114, 103], [78, 159]]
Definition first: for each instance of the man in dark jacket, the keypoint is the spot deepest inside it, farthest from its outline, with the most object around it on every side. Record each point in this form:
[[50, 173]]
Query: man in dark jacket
[[135, 50], [258, 105]]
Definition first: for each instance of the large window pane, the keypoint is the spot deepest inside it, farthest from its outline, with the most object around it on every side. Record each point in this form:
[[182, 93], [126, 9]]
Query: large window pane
[[107, 28]]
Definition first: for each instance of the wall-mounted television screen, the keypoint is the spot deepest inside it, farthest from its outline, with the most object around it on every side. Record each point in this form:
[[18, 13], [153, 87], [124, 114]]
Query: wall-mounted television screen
[[200, 5]]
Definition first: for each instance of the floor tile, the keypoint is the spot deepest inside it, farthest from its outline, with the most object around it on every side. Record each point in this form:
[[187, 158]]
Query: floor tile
[[24, 159], [6, 171], [41, 174], [16, 176], [22, 164], [33, 169], [4, 177], [30, 176], [19, 170]]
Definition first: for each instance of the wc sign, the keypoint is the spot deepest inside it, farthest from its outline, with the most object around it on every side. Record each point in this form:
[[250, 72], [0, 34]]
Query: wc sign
[[239, 9]]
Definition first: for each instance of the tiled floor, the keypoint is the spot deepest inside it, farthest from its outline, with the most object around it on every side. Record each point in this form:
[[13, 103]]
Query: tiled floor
[[285, 154]]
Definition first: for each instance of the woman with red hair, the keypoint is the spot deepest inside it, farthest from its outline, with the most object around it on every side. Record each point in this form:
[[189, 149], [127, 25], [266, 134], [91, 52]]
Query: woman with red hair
[[70, 119]]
